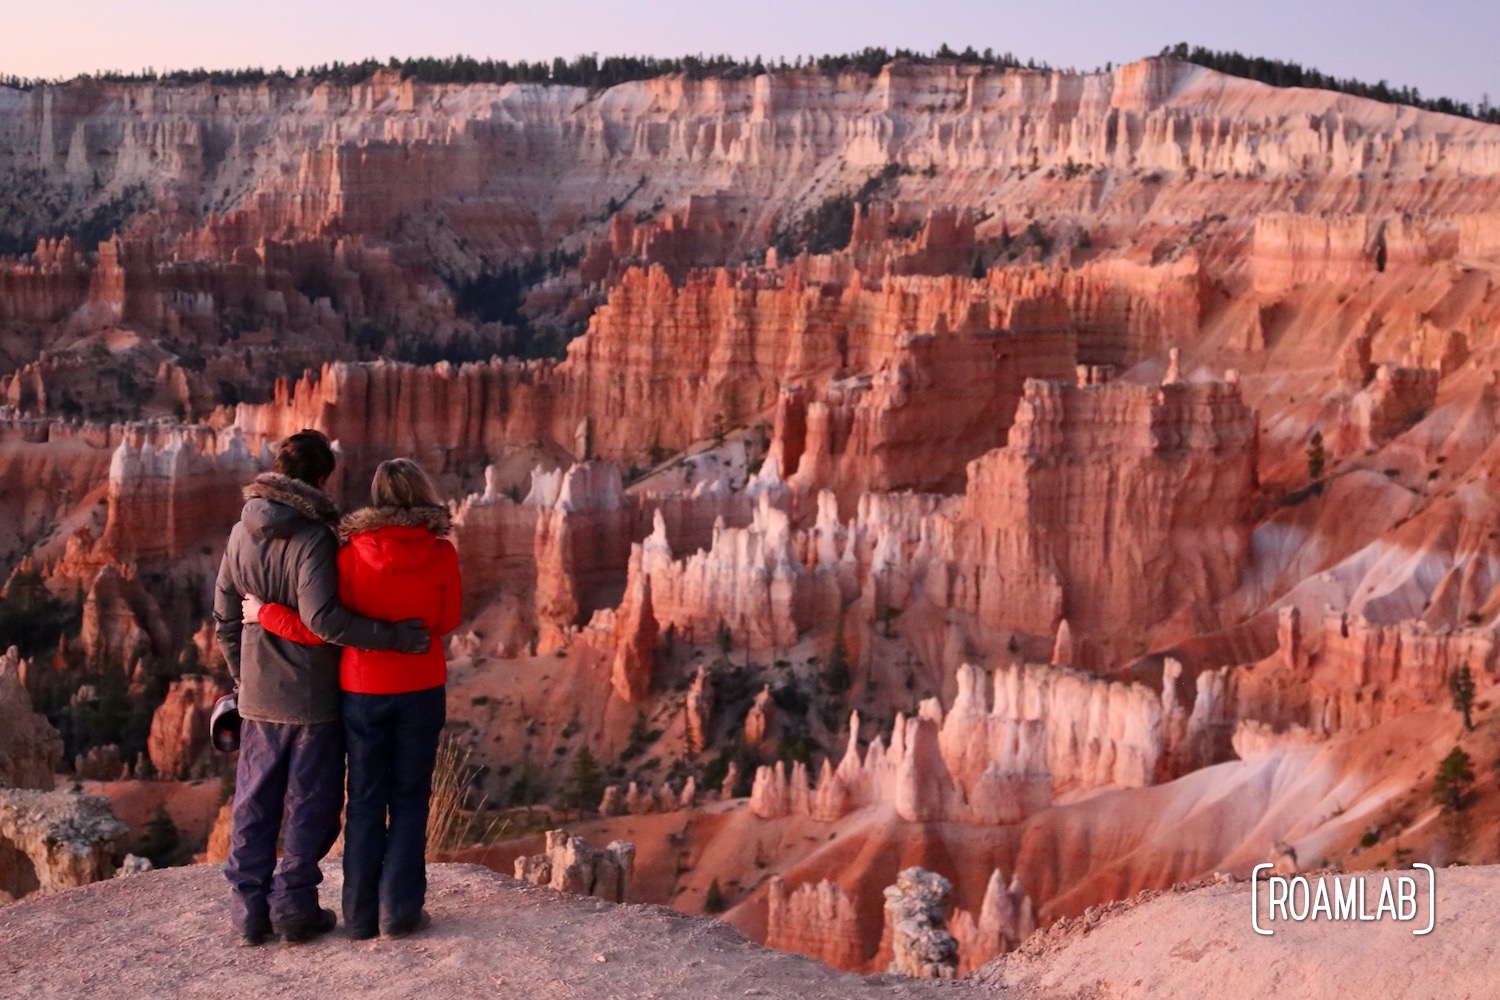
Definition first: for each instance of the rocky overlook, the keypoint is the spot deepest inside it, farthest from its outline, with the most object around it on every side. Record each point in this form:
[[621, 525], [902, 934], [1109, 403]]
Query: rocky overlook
[[492, 936]]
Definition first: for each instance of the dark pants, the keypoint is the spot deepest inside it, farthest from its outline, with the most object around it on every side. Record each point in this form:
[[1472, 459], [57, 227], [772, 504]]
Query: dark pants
[[392, 742], [295, 772]]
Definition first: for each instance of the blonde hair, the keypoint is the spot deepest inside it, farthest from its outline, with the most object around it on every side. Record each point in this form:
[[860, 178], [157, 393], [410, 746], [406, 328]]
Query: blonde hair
[[400, 482]]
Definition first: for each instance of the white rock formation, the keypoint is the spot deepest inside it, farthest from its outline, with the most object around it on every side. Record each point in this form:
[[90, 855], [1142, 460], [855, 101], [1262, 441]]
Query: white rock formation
[[921, 946], [571, 864]]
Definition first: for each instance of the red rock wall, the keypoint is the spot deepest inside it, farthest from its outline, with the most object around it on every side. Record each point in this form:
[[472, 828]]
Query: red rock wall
[[1111, 506], [172, 491], [818, 920], [179, 744]]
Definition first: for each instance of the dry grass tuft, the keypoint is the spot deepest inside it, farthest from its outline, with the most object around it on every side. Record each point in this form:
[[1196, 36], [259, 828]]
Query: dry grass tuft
[[449, 825]]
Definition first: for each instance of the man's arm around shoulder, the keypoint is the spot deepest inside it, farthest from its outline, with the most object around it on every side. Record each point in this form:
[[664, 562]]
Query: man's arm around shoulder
[[227, 622], [318, 605]]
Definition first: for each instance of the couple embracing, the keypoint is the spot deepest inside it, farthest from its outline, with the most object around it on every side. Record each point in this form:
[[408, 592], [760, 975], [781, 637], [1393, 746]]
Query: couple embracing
[[331, 629]]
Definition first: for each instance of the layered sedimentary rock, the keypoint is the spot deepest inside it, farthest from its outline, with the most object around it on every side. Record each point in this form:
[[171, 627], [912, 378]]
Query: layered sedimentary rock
[[1046, 731], [46, 468], [570, 864], [171, 492], [1111, 506], [1396, 399], [1479, 235], [582, 549], [443, 416], [508, 166], [815, 919], [178, 744], [1005, 919], [55, 840], [30, 749], [1291, 250], [761, 331], [938, 400], [46, 287], [322, 286], [1352, 674], [937, 365], [1052, 727], [1096, 483], [1294, 249], [495, 535], [749, 581]]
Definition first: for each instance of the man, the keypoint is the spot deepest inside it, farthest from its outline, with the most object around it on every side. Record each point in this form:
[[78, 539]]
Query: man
[[291, 746]]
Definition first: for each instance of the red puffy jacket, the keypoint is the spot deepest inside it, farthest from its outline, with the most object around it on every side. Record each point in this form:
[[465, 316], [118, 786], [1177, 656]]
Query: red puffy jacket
[[394, 566]]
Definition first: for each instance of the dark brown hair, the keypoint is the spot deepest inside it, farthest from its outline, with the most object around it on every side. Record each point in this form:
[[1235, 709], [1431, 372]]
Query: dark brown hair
[[400, 482], [307, 456]]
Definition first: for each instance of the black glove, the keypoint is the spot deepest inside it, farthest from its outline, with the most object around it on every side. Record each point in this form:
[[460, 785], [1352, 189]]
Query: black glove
[[410, 636]]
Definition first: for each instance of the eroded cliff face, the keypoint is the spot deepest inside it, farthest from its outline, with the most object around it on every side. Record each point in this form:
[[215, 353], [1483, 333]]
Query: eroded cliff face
[[32, 749], [818, 920], [994, 759], [1111, 506], [529, 160]]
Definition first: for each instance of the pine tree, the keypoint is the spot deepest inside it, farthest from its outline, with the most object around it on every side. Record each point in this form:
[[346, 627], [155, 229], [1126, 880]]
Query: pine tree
[[1461, 689], [1316, 456], [1454, 780], [640, 731], [160, 839], [837, 672], [713, 899], [586, 782]]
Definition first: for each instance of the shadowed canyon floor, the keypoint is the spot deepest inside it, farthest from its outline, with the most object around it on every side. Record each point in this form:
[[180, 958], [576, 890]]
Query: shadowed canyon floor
[[164, 934]]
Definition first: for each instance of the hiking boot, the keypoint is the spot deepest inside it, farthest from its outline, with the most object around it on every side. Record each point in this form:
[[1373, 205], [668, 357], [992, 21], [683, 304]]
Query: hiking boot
[[410, 927], [254, 938], [360, 933], [301, 933]]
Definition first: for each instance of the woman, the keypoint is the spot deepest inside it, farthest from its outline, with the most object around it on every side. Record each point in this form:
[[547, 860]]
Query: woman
[[395, 565]]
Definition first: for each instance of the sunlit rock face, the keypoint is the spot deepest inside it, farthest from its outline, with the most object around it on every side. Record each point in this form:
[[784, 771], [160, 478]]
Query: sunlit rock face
[[1096, 484]]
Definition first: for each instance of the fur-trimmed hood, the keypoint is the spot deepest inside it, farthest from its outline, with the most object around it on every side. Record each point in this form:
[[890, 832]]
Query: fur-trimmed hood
[[435, 519], [395, 539], [278, 505]]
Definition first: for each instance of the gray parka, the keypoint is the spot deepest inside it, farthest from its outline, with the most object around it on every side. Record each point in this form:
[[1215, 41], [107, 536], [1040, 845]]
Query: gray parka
[[284, 550]]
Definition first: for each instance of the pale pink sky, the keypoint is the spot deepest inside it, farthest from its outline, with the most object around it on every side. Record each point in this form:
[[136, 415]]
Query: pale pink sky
[[1445, 47]]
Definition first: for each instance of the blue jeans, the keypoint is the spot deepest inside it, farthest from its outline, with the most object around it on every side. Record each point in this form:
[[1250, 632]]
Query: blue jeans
[[293, 772], [393, 741]]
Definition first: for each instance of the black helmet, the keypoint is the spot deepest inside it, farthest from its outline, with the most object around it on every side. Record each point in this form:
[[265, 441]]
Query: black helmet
[[224, 724]]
